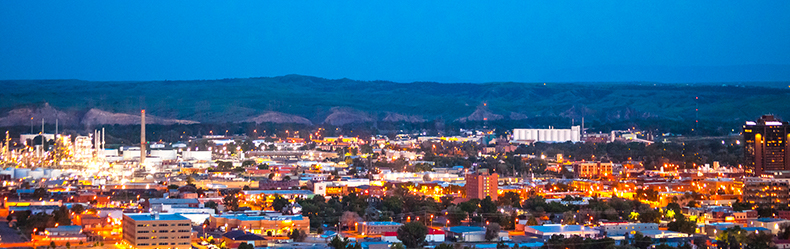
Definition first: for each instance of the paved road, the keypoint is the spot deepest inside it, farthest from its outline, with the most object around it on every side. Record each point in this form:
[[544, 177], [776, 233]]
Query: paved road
[[8, 234]]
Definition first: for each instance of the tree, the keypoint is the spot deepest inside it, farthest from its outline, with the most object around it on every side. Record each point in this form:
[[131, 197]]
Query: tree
[[487, 206], [412, 234], [338, 243], [224, 165], [77, 208], [674, 206], [397, 245], [244, 245], [641, 241], [68, 245], [190, 180], [62, 216], [247, 163], [455, 215], [784, 232], [649, 215], [39, 193], [297, 235], [492, 231], [231, 202], [738, 206], [349, 218], [444, 246], [510, 199], [279, 203], [172, 186], [681, 224], [532, 221], [761, 240], [52, 244]]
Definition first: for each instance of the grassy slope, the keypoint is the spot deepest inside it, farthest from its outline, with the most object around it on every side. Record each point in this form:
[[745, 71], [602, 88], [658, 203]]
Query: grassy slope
[[234, 99]]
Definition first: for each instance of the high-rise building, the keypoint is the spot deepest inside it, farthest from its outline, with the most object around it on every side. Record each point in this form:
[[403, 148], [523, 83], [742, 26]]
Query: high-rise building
[[481, 184], [766, 145], [157, 231]]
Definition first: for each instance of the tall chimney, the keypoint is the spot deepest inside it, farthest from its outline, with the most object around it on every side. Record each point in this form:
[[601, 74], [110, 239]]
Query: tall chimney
[[142, 137]]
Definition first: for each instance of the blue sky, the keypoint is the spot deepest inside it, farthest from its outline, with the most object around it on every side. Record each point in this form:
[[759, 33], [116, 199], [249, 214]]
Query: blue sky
[[445, 41]]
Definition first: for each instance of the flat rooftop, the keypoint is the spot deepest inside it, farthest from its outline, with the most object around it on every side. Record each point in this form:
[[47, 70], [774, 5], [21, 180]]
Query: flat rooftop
[[562, 228], [769, 219], [261, 217], [465, 229], [149, 216], [381, 223], [279, 192]]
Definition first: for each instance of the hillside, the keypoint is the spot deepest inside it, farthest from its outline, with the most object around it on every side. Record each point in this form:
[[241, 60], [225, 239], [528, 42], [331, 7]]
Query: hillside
[[305, 99]]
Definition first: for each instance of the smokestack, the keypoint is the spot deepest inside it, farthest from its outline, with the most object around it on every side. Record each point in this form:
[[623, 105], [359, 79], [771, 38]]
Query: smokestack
[[142, 137], [102, 139]]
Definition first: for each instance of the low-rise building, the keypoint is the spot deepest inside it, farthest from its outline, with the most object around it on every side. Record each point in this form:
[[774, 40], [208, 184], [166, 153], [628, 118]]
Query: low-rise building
[[156, 231], [546, 231], [772, 224], [274, 225], [435, 235], [62, 235], [234, 238], [471, 234], [622, 228], [377, 227], [593, 170]]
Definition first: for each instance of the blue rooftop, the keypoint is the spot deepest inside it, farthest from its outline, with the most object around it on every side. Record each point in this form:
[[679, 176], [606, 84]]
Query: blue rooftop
[[755, 229], [247, 217], [279, 192], [561, 228], [148, 216], [381, 223], [769, 219], [465, 229]]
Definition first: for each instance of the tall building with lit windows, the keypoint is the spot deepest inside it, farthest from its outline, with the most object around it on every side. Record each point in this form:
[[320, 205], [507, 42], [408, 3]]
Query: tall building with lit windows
[[481, 184], [766, 146]]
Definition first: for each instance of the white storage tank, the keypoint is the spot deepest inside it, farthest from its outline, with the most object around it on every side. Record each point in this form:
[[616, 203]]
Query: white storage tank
[[131, 154], [110, 152], [196, 155], [164, 154], [56, 173], [7, 171], [153, 160], [20, 173], [37, 173]]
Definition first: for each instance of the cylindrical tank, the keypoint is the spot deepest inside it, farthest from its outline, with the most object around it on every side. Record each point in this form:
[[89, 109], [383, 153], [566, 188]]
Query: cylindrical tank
[[21, 172], [38, 173], [56, 173], [8, 171], [164, 154]]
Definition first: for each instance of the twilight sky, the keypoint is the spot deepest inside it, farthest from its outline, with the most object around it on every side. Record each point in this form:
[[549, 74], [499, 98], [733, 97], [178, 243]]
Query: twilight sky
[[444, 41]]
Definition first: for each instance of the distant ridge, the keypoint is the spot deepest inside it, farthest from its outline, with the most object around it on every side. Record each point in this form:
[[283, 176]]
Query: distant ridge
[[314, 100]]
